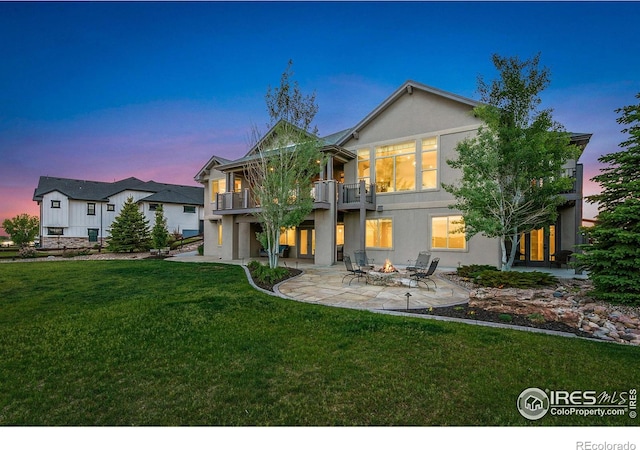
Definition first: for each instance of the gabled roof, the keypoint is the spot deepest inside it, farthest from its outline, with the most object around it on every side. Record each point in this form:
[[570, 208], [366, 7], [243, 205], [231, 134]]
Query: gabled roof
[[214, 161], [100, 191], [407, 88], [175, 196]]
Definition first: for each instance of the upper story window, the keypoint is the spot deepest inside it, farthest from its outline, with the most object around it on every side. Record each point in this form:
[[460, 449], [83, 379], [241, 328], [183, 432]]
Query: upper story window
[[153, 206], [111, 207], [430, 163], [364, 165], [91, 209], [55, 203], [189, 209], [448, 233], [237, 185], [217, 187], [395, 167]]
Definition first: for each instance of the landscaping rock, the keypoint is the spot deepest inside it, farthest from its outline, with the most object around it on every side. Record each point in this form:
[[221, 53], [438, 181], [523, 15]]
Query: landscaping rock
[[569, 304]]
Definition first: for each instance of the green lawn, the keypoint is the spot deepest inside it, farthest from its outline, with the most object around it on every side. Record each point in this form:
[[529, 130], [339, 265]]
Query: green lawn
[[164, 343]]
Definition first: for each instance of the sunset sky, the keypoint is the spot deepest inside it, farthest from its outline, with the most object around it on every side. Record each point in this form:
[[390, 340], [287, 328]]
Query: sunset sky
[[105, 91]]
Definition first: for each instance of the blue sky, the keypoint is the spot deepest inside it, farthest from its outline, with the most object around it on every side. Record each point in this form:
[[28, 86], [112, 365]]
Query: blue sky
[[104, 91]]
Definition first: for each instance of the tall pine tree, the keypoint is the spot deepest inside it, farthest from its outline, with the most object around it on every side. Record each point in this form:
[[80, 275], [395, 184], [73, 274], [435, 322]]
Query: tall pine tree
[[613, 255], [130, 230], [160, 233]]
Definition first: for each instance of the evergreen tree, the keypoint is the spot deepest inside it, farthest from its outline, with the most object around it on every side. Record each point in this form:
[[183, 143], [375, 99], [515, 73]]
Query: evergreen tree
[[613, 255], [160, 233], [130, 230]]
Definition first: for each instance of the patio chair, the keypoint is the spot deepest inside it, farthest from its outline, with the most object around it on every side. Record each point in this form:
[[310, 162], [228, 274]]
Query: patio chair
[[353, 273], [425, 276], [362, 261], [562, 257], [421, 263]]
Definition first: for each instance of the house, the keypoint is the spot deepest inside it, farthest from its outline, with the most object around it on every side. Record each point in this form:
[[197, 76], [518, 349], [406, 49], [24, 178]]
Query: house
[[381, 190], [79, 213]]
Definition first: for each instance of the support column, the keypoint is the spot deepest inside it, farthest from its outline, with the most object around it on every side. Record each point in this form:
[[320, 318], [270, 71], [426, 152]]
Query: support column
[[229, 237], [325, 226], [362, 189]]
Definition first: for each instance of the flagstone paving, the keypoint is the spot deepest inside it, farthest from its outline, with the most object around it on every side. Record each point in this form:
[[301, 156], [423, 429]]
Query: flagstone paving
[[324, 285]]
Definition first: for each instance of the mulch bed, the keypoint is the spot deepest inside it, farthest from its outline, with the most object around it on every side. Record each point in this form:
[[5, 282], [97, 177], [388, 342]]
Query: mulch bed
[[269, 286]]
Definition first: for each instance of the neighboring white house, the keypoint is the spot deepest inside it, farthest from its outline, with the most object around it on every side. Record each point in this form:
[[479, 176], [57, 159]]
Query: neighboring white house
[[381, 190], [79, 213]]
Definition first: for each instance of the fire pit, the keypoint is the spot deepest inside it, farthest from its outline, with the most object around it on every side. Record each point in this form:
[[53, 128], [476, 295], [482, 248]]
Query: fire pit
[[388, 275], [388, 267]]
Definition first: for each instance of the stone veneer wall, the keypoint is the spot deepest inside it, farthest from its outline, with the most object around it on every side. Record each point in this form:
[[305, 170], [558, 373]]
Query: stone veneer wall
[[55, 242]]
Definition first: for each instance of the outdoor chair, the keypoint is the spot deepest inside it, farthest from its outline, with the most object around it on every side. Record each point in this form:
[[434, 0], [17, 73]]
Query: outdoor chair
[[362, 261], [353, 273], [562, 257], [421, 263], [425, 276]]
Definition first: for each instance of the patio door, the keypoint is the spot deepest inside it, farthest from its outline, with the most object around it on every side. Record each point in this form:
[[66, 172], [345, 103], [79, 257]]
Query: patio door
[[306, 242], [538, 247]]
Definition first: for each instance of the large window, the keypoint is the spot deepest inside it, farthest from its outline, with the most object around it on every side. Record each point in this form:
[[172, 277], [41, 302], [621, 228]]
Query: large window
[[288, 236], [364, 165], [379, 233], [91, 209], [430, 163], [396, 167], [448, 233], [217, 186]]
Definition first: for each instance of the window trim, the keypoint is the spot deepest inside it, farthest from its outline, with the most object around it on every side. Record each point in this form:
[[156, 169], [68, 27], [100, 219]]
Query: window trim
[[111, 207], [50, 231], [55, 204], [90, 207], [393, 157], [379, 220], [447, 248], [437, 166], [185, 207]]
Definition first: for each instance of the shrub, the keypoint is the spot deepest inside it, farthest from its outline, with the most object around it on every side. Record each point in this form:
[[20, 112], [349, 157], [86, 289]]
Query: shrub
[[505, 317], [522, 280], [536, 318], [473, 270], [201, 249], [265, 274], [27, 252]]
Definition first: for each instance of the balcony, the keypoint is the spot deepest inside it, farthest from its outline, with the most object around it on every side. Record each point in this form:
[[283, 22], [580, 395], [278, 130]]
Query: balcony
[[244, 203], [356, 196]]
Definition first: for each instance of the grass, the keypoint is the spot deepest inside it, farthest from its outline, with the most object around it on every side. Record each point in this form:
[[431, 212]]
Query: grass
[[164, 343]]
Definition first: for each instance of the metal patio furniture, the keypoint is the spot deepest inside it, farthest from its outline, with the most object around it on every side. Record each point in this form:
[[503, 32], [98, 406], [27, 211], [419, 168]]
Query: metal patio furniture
[[425, 276], [421, 263], [353, 273], [362, 261]]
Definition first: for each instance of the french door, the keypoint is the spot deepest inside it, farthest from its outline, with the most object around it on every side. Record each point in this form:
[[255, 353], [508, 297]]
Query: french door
[[538, 247]]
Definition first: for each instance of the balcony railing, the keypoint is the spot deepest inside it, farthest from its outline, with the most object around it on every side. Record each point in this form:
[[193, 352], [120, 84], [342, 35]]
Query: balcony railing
[[356, 195], [231, 202]]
